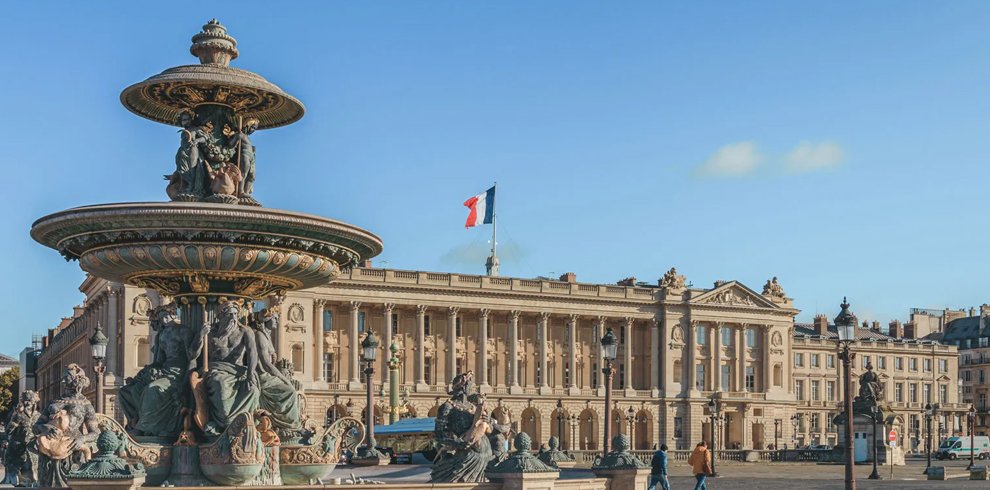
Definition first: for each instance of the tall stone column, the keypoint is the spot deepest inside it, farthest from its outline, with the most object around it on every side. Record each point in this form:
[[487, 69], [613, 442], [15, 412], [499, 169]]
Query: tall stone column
[[318, 306], [766, 368], [420, 373], [715, 354], [741, 358], [627, 357], [387, 332], [451, 343], [600, 355], [691, 359], [354, 384], [113, 324], [514, 353], [541, 337], [655, 357], [483, 350], [572, 387]]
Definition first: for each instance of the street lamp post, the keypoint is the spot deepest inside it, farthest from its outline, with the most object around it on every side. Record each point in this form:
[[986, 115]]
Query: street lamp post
[[875, 412], [369, 454], [570, 443], [609, 347], [972, 429], [714, 410], [98, 347], [393, 383], [560, 423], [630, 419], [845, 324], [929, 413], [776, 436]]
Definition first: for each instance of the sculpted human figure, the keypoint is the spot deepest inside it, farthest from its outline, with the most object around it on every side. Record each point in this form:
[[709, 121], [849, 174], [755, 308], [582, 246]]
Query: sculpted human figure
[[464, 452], [153, 399], [21, 457], [870, 387], [231, 383], [190, 164], [672, 280], [278, 395], [66, 430], [241, 142]]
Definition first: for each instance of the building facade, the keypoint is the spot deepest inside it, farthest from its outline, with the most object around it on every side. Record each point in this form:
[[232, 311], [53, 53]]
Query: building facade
[[534, 347]]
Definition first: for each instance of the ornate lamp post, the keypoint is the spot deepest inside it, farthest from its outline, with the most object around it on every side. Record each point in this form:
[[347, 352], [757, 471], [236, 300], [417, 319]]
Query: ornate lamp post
[[393, 383], [98, 347], [714, 409], [369, 454], [560, 422], [609, 347], [929, 413], [630, 419], [795, 420], [972, 429], [574, 421], [845, 324], [875, 412], [776, 435]]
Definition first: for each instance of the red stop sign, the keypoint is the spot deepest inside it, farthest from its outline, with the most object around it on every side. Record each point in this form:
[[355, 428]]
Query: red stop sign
[[892, 436]]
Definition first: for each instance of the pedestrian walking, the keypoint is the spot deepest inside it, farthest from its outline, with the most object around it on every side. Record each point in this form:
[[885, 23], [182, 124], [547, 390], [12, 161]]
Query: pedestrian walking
[[658, 473], [701, 464]]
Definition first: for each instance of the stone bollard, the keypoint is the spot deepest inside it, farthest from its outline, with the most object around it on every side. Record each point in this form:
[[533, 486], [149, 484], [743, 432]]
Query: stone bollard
[[978, 473], [936, 473], [623, 469], [522, 471]]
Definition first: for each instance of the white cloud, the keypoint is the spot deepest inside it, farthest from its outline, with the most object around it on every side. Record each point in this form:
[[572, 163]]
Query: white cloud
[[808, 157], [735, 160]]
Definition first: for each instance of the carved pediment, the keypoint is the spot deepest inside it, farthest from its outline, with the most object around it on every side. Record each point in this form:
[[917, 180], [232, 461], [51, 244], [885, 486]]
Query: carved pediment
[[733, 293]]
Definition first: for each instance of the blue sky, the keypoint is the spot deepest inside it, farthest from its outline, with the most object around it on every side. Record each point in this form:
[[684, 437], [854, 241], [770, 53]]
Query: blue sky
[[839, 146]]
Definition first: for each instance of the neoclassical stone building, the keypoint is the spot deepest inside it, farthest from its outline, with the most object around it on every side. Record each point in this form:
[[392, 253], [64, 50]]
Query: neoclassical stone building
[[534, 346]]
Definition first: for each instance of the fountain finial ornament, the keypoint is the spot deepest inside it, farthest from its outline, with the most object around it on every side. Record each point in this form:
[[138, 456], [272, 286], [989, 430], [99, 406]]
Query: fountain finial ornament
[[213, 46]]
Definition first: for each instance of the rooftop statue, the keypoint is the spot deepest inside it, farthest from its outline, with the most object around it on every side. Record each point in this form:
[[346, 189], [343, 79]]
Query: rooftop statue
[[66, 430], [772, 288], [153, 398], [461, 427], [672, 280], [20, 460]]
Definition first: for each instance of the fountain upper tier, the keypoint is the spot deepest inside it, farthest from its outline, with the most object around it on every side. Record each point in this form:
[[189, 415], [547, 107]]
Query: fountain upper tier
[[201, 248]]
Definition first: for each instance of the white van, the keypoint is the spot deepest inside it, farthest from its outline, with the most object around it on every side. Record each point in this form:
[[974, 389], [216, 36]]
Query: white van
[[958, 448]]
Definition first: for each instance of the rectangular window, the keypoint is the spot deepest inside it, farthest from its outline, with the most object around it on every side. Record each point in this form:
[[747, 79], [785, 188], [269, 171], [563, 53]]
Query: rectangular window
[[360, 322], [830, 391], [395, 324], [943, 365], [882, 362], [928, 365], [913, 393], [927, 390], [913, 364], [943, 394], [426, 325], [983, 402], [799, 389], [699, 377], [899, 392], [830, 361], [750, 338], [726, 377], [798, 359], [750, 378], [899, 363], [984, 341], [428, 370], [815, 360], [328, 367], [327, 320], [622, 376], [678, 427], [815, 396], [983, 376], [815, 421], [967, 375], [866, 361], [700, 335], [594, 375], [727, 337]]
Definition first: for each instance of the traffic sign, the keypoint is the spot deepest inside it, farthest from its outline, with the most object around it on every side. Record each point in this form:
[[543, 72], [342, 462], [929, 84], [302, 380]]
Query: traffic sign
[[892, 444], [892, 436]]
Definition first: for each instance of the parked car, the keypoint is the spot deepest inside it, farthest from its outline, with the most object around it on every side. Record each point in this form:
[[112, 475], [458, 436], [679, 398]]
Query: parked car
[[959, 447]]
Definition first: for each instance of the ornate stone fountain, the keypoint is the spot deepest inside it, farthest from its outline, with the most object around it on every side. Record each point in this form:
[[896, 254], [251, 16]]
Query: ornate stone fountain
[[214, 250]]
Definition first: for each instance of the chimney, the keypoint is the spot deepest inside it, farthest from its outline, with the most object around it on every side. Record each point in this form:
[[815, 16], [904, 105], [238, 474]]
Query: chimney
[[896, 330], [821, 325], [569, 277], [972, 311], [984, 313], [629, 281], [910, 331], [876, 326], [866, 325]]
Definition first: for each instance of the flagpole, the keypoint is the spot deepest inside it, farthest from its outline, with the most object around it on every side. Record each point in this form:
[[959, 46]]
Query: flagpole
[[492, 264]]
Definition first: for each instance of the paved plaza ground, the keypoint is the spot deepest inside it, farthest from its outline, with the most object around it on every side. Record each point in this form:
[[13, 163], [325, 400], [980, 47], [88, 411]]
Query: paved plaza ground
[[762, 476]]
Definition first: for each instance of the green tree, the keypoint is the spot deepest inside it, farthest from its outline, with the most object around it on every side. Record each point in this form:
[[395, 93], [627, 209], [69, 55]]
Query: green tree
[[9, 388]]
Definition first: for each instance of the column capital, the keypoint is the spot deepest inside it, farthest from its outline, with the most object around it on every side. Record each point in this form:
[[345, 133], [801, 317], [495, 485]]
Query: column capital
[[629, 321], [113, 290], [573, 318], [656, 322], [514, 314], [355, 305], [388, 307], [421, 309], [319, 303], [483, 313], [601, 321], [545, 316], [452, 310]]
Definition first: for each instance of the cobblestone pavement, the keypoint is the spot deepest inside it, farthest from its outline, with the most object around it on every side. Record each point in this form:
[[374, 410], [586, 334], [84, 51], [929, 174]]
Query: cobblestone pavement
[[764, 476]]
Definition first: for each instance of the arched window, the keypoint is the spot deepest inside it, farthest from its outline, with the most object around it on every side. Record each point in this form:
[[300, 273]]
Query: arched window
[[298, 358]]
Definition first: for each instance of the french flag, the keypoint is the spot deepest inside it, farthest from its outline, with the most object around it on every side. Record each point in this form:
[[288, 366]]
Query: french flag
[[482, 209]]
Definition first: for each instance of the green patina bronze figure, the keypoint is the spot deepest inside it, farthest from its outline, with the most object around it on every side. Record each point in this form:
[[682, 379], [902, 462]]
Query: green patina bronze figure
[[20, 460], [66, 430], [231, 381], [278, 394], [153, 398]]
